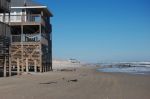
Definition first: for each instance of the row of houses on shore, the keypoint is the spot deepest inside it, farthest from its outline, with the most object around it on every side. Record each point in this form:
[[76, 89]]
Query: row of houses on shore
[[25, 37]]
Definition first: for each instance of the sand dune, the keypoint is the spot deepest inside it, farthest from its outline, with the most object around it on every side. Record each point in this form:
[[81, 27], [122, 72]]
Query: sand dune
[[59, 64]]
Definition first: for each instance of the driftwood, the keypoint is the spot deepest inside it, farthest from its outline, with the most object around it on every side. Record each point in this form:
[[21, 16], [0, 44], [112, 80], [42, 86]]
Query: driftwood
[[73, 80], [67, 70], [49, 83]]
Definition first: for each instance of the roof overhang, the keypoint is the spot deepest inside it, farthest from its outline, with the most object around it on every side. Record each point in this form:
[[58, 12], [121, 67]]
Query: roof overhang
[[44, 8]]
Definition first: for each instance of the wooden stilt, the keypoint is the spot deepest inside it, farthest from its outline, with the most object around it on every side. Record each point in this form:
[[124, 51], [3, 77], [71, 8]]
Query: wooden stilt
[[22, 48], [18, 66], [35, 66], [9, 61], [5, 67], [41, 69], [45, 68], [27, 69], [9, 66]]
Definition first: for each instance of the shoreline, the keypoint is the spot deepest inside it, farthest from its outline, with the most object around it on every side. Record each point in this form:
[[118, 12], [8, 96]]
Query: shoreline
[[83, 83]]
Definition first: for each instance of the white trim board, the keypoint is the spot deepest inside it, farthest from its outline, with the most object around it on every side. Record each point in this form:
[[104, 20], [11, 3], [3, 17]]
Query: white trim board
[[31, 7]]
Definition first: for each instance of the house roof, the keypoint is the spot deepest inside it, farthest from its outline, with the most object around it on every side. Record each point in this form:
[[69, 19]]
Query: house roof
[[19, 3], [29, 4]]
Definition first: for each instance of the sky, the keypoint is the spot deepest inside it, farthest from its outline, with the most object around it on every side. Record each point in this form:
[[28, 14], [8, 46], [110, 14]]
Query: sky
[[100, 30]]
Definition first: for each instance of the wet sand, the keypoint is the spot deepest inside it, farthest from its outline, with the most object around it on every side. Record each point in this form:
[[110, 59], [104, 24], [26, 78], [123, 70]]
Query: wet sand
[[84, 83]]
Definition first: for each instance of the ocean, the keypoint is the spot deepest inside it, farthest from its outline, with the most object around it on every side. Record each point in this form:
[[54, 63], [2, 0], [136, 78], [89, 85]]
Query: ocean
[[130, 69]]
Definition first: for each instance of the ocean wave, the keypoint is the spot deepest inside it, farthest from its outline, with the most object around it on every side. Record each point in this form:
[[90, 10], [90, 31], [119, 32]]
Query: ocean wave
[[135, 70]]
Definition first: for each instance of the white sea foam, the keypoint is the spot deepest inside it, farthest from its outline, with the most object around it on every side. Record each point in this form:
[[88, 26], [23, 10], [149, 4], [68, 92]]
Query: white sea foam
[[136, 70]]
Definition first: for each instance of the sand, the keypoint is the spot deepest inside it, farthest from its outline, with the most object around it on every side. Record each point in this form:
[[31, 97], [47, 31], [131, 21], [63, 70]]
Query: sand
[[86, 84]]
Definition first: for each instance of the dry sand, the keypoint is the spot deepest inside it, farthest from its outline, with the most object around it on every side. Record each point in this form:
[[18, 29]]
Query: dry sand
[[86, 84]]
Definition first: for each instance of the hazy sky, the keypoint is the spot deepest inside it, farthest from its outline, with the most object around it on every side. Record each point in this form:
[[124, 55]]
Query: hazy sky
[[101, 30]]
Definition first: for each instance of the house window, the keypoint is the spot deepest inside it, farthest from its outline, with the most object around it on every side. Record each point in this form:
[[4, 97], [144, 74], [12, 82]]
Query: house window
[[18, 16], [12, 18]]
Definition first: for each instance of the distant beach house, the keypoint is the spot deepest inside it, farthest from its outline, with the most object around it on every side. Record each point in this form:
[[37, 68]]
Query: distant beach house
[[74, 60], [31, 36]]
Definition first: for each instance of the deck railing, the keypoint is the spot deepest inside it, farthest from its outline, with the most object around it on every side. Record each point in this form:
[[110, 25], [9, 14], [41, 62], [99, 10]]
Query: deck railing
[[34, 18], [21, 18], [29, 38], [16, 38], [5, 5], [26, 38], [26, 18]]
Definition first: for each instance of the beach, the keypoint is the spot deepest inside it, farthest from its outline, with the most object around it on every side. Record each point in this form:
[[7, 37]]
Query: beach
[[75, 83]]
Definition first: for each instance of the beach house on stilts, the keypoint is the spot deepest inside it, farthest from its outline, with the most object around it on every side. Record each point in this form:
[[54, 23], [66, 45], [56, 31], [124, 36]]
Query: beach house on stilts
[[31, 37], [4, 37]]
